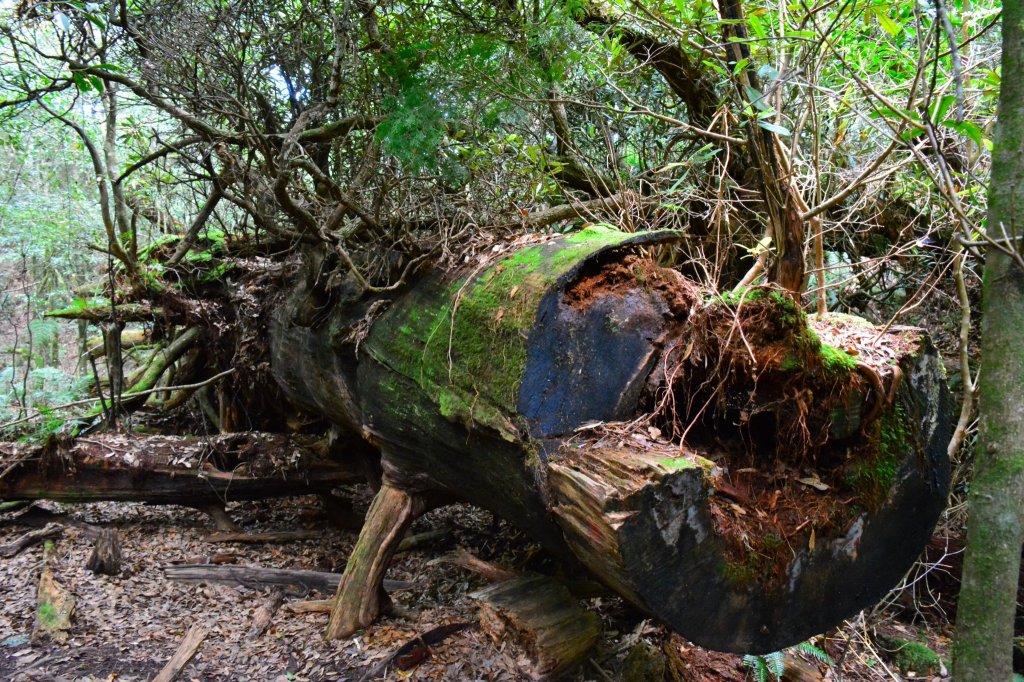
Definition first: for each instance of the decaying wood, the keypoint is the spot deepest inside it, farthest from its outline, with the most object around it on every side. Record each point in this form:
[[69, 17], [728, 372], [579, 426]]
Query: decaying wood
[[310, 606], [425, 539], [463, 558], [55, 604], [172, 470], [15, 547], [540, 614], [106, 553], [341, 513], [183, 654], [265, 613], [361, 596], [262, 538], [222, 521], [252, 576], [485, 386]]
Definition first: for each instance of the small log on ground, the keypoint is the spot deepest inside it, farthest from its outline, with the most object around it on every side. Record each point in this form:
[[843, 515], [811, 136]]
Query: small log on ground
[[310, 606], [540, 614], [15, 547], [463, 558], [55, 604], [183, 654], [106, 553], [252, 576], [265, 613], [172, 470]]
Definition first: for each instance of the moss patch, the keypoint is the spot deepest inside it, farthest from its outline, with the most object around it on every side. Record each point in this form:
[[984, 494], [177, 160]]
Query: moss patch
[[465, 342], [837, 362]]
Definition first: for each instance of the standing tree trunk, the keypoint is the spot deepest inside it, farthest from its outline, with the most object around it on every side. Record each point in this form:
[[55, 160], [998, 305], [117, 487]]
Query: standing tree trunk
[[984, 635]]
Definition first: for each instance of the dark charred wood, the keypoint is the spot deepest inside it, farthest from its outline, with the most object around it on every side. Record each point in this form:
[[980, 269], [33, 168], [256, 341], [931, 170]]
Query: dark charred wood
[[256, 577]]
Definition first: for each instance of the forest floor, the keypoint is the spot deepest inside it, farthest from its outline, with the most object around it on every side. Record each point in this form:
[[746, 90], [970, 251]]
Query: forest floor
[[126, 627]]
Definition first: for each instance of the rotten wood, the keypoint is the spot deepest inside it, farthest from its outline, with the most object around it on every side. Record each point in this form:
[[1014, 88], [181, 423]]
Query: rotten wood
[[256, 577], [463, 558], [106, 553], [222, 521], [415, 651], [17, 545], [55, 604], [265, 613], [428, 538], [183, 654], [540, 614], [310, 606], [173, 470]]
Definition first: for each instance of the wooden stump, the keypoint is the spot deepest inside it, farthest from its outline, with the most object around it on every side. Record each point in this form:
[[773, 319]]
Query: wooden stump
[[361, 597], [540, 614], [106, 553]]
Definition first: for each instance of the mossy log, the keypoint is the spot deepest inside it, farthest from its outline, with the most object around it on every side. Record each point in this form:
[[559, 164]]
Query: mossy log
[[745, 475], [171, 469]]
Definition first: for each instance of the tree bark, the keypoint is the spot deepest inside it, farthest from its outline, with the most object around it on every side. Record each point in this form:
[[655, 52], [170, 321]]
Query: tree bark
[[484, 387], [985, 614]]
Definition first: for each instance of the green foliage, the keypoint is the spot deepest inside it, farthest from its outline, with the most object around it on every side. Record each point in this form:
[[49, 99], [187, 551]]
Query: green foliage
[[771, 667]]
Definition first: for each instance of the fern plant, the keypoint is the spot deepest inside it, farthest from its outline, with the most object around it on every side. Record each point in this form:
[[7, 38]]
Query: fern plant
[[769, 667]]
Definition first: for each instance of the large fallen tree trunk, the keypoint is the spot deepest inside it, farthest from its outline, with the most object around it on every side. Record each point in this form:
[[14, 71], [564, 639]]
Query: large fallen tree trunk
[[170, 469], [743, 474]]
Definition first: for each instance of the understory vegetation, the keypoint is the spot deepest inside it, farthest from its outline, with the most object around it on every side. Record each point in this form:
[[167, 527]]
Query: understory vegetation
[[167, 168]]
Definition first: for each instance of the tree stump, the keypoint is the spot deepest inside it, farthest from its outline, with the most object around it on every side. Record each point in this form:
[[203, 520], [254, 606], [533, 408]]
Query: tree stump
[[106, 553]]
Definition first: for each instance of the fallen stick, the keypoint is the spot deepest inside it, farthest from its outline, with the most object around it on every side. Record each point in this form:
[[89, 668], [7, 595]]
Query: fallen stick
[[252, 576], [265, 613], [485, 569], [419, 540], [257, 538], [310, 606], [183, 654], [15, 547]]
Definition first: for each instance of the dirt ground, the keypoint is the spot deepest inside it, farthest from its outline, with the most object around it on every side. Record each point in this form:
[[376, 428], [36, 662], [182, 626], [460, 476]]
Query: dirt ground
[[126, 627]]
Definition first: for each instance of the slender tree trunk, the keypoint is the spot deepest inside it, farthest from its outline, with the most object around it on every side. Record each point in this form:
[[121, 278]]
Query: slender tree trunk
[[984, 639]]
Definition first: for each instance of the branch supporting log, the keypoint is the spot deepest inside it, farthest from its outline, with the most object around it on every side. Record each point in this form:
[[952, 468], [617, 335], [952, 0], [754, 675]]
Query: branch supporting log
[[361, 597]]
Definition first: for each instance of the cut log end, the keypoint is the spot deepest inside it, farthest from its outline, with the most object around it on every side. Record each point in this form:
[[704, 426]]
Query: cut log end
[[752, 555], [543, 617]]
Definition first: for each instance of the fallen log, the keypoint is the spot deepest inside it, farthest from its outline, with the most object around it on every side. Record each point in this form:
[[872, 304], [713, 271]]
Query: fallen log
[[183, 654], [744, 474], [16, 546], [255, 577], [171, 470]]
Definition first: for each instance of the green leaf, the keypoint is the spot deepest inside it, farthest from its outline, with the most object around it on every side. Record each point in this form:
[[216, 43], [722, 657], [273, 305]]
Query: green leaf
[[888, 25], [739, 66], [81, 83], [96, 83], [773, 128], [756, 27], [755, 98], [715, 67], [969, 130], [942, 106]]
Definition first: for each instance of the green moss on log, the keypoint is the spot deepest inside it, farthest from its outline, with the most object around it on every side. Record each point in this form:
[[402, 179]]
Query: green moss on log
[[465, 345]]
